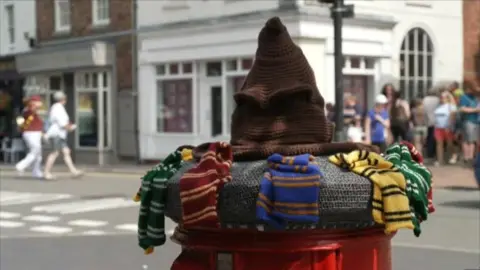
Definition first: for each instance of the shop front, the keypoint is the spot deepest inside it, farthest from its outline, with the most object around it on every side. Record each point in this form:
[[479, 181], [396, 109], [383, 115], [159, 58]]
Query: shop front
[[10, 97], [85, 74], [188, 74]]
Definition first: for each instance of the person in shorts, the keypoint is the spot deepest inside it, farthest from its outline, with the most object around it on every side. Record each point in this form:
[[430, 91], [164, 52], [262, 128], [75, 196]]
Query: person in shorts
[[57, 132], [444, 126], [469, 110], [419, 122]]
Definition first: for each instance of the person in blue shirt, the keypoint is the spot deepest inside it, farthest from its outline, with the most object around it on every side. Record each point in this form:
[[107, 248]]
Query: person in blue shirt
[[470, 113], [377, 123]]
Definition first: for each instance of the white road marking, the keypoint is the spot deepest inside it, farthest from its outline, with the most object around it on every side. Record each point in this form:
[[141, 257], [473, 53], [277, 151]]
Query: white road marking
[[40, 218], [51, 229], [10, 224], [94, 232], [8, 215], [87, 223], [170, 232], [85, 206], [436, 247], [127, 227], [16, 198]]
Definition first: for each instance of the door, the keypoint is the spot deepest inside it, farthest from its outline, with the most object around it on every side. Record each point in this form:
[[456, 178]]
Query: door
[[357, 85], [216, 102]]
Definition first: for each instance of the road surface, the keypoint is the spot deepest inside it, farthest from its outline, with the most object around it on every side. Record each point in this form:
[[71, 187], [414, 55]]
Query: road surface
[[90, 223]]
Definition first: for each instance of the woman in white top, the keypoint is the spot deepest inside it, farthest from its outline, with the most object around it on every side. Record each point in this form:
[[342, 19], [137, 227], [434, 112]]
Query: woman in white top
[[60, 125]]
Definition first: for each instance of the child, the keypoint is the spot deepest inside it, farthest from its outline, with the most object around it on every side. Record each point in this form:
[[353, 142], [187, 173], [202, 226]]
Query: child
[[377, 122], [354, 132]]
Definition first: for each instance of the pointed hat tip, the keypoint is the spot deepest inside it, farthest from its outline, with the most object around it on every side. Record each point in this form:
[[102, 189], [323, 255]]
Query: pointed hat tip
[[275, 24]]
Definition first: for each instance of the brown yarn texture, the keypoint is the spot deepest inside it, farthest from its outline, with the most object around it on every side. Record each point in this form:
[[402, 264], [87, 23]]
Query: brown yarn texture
[[279, 108]]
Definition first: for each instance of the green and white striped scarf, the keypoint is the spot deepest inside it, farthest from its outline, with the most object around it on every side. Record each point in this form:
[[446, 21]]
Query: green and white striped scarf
[[418, 179], [151, 218]]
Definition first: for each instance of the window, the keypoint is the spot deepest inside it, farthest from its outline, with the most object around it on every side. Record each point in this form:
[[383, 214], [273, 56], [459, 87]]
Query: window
[[88, 87], [175, 97], [62, 15], [10, 13], [236, 71], [101, 12], [416, 64]]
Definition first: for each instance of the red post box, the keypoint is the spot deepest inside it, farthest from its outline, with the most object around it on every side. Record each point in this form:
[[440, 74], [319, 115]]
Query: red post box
[[231, 249]]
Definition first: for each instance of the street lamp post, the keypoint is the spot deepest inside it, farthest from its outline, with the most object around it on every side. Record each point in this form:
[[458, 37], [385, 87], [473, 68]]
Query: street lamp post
[[338, 11]]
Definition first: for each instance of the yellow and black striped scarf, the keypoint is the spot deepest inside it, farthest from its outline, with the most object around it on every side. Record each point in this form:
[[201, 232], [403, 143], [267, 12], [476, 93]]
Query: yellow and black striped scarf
[[390, 205]]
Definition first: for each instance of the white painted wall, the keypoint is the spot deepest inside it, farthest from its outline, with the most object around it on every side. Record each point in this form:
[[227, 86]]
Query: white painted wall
[[158, 12], [25, 22], [441, 19]]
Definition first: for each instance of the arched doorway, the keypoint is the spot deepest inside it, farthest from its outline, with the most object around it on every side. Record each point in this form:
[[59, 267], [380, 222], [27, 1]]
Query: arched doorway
[[416, 64]]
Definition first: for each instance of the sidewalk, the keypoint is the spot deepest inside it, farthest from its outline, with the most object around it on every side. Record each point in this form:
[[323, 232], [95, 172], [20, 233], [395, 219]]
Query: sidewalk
[[453, 177], [446, 177], [139, 170]]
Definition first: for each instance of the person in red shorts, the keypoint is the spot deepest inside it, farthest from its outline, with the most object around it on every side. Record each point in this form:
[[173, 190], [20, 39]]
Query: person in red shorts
[[444, 126]]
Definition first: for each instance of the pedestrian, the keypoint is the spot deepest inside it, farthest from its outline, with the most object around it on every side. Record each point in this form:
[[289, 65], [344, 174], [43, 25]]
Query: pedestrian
[[59, 126], [31, 127], [419, 121], [444, 126], [430, 103], [399, 113], [469, 117], [377, 123]]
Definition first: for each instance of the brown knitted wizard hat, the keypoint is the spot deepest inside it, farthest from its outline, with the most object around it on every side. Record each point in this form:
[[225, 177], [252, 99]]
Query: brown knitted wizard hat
[[279, 108]]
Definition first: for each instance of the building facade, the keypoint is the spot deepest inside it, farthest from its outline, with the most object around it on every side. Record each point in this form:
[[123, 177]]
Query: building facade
[[195, 54], [84, 49], [17, 31], [471, 41]]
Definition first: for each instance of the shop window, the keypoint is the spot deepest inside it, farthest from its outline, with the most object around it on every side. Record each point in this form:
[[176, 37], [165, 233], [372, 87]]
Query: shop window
[[87, 119], [416, 64], [174, 69], [231, 65], [214, 69], [174, 106], [161, 70], [187, 68], [247, 64]]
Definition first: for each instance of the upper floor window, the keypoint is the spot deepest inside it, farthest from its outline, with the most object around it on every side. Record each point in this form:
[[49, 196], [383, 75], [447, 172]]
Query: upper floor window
[[101, 12], [62, 15], [416, 64], [10, 14]]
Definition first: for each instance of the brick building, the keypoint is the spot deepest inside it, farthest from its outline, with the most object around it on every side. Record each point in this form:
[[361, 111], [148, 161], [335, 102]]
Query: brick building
[[471, 40], [83, 47]]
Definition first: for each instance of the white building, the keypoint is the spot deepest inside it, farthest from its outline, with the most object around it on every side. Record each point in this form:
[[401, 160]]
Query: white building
[[17, 26], [194, 54]]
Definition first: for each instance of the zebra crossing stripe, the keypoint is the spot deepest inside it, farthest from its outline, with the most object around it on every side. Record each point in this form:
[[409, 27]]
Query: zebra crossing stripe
[[15, 198], [8, 215], [40, 218], [10, 224], [51, 229], [84, 206], [87, 223]]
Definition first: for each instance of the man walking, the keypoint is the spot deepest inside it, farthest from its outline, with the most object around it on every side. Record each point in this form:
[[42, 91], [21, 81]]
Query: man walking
[[32, 134], [57, 132]]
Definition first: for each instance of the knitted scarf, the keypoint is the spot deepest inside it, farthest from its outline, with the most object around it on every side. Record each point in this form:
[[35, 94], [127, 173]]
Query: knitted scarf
[[418, 182], [289, 190], [151, 218], [389, 203], [417, 157], [199, 186]]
